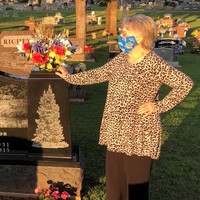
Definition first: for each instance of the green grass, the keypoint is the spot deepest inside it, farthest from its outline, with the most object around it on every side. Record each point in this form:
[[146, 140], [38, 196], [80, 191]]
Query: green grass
[[175, 176]]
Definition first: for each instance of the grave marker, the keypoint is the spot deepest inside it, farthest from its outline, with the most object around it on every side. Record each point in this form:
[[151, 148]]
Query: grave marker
[[12, 63], [25, 156], [167, 55]]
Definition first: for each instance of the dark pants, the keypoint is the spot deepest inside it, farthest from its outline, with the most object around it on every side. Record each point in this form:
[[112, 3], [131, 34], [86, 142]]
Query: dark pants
[[127, 177]]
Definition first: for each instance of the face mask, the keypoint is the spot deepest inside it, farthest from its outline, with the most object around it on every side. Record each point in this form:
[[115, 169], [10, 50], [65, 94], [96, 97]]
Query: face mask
[[126, 44]]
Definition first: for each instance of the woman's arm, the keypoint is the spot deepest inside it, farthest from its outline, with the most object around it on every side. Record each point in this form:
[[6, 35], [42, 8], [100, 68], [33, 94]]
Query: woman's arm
[[180, 83], [97, 75]]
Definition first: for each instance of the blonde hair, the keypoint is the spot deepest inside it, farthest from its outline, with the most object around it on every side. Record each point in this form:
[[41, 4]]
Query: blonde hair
[[144, 25]]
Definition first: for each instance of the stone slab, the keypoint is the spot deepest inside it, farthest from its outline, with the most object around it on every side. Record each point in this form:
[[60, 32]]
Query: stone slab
[[20, 181], [48, 116], [12, 63]]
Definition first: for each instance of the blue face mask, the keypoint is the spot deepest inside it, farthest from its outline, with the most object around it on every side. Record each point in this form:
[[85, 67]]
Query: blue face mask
[[126, 44]]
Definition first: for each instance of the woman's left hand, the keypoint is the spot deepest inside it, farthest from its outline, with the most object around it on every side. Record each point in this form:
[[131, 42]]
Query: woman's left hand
[[147, 108]]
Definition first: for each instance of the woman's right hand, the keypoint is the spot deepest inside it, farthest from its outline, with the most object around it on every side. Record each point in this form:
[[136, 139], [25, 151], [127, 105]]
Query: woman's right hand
[[62, 72]]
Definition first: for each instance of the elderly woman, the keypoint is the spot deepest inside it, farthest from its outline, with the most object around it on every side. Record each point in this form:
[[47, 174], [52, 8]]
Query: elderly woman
[[131, 127]]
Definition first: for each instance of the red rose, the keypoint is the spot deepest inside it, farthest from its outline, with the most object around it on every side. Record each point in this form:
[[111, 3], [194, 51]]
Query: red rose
[[40, 58], [26, 47], [58, 50]]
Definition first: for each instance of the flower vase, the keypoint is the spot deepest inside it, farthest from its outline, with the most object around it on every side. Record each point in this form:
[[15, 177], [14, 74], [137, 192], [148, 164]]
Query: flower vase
[[88, 56]]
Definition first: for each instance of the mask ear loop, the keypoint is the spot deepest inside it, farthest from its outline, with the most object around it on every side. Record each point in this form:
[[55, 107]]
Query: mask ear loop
[[123, 35]]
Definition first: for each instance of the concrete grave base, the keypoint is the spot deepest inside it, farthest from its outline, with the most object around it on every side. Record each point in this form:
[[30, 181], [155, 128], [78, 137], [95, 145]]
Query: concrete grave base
[[18, 182]]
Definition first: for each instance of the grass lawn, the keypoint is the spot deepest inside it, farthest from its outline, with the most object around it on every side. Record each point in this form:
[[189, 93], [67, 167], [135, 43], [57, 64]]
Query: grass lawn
[[176, 174]]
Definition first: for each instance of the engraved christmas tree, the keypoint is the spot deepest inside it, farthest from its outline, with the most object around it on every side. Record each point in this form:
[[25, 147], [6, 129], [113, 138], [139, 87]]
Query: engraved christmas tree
[[49, 132]]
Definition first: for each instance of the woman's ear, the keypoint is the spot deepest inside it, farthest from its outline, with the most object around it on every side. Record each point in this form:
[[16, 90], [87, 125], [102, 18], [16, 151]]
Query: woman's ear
[[138, 39]]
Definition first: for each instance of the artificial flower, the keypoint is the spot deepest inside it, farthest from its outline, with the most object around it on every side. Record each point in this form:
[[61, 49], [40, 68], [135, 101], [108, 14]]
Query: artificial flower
[[40, 58], [195, 33], [26, 47], [55, 191], [88, 49], [47, 53], [38, 190], [55, 194], [65, 195]]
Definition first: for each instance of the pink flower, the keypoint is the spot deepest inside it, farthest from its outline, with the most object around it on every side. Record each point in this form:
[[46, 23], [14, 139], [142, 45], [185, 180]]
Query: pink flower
[[64, 195], [38, 190], [47, 193], [55, 194]]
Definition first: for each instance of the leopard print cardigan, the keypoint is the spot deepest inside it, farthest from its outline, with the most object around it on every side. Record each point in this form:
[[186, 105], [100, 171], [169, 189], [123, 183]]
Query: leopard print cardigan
[[129, 86]]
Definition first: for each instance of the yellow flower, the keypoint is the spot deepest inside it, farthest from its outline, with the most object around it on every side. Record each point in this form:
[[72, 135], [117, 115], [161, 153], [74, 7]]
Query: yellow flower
[[42, 66], [62, 57], [68, 53], [57, 57], [195, 33], [52, 54], [49, 66], [27, 55], [57, 61]]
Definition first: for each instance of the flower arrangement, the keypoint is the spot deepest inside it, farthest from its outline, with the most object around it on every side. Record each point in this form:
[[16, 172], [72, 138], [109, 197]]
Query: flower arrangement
[[55, 191], [47, 51], [88, 49]]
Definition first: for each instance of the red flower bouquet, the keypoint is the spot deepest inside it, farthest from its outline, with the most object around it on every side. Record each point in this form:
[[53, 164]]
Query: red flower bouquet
[[47, 53]]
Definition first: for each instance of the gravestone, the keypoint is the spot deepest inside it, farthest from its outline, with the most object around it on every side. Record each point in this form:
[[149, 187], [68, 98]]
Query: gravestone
[[99, 20], [30, 152], [168, 20], [59, 18], [10, 61], [49, 20], [94, 35], [180, 31], [113, 48], [79, 44], [167, 55]]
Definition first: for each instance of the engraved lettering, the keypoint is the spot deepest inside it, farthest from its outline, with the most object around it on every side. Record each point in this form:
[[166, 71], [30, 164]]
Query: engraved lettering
[[3, 134], [4, 147], [5, 42], [13, 40]]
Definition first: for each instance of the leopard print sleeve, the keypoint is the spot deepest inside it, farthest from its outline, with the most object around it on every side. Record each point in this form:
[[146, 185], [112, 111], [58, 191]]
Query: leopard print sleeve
[[180, 83], [97, 75]]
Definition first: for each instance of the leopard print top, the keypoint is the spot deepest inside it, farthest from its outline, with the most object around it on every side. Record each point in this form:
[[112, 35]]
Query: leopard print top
[[130, 85]]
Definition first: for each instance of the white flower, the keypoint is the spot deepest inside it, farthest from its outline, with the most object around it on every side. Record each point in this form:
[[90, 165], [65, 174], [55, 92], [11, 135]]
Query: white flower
[[20, 47]]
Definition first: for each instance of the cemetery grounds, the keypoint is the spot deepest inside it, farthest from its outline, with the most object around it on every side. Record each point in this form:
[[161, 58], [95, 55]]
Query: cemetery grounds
[[176, 174]]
